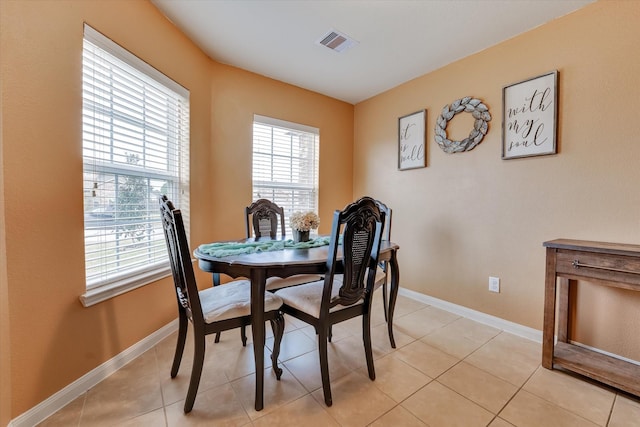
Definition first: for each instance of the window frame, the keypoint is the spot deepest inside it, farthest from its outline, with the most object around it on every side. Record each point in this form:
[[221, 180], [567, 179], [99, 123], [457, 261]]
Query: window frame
[[274, 185], [176, 163]]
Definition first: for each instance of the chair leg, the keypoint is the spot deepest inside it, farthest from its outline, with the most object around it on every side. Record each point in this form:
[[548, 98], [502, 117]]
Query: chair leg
[[324, 365], [183, 324], [196, 371], [385, 301], [330, 334], [243, 335], [277, 325], [368, 351]]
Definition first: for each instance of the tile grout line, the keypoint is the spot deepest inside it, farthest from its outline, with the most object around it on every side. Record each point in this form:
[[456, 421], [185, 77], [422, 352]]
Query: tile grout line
[[519, 387], [515, 394], [613, 404], [615, 395], [488, 373], [84, 401], [497, 414], [159, 376]]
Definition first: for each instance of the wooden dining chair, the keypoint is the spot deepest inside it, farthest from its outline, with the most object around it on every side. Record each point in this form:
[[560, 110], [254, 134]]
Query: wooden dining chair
[[264, 216], [382, 269], [211, 310], [324, 303], [261, 217]]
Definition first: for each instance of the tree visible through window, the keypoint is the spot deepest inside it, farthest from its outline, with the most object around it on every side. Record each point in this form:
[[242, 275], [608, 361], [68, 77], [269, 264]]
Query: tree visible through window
[[135, 127], [285, 165]]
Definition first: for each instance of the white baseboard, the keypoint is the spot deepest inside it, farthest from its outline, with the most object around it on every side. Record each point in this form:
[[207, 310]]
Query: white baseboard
[[495, 322], [59, 400]]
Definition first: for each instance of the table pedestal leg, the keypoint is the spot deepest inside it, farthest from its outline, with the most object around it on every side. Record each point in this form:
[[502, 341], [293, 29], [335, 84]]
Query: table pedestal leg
[[258, 280]]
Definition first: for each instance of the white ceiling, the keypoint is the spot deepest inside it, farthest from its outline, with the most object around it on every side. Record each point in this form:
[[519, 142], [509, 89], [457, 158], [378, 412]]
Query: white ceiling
[[399, 40]]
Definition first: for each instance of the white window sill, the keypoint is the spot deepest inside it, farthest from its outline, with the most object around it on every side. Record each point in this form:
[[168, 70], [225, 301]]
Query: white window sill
[[110, 290]]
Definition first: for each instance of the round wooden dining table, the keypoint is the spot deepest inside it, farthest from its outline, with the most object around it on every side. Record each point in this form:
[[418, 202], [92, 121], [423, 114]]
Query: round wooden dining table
[[259, 266]]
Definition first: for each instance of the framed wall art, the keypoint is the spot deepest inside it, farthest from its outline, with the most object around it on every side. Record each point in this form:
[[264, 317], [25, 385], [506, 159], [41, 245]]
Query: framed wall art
[[411, 135], [529, 117]]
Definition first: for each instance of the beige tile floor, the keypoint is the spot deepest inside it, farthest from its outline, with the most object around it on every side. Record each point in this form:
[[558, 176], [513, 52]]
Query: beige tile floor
[[445, 371]]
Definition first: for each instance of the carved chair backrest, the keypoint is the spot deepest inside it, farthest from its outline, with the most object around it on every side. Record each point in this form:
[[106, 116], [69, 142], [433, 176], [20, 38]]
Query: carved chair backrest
[[361, 223], [180, 259], [263, 215], [386, 229]]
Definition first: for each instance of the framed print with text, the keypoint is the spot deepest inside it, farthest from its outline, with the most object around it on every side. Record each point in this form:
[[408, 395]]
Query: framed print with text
[[411, 136], [529, 117]]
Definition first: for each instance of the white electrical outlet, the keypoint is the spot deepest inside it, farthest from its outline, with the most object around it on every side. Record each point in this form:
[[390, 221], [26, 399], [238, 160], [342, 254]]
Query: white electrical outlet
[[494, 284]]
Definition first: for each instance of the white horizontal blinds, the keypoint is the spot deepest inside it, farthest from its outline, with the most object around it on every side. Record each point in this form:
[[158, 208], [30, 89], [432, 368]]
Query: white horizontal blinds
[[135, 140], [285, 165]]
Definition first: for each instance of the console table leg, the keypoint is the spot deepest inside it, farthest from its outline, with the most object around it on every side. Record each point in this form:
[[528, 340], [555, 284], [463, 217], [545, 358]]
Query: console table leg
[[563, 309], [548, 328]]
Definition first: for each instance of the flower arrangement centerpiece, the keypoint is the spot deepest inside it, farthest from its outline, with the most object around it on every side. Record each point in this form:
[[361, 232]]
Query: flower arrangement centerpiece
[[303, 222]]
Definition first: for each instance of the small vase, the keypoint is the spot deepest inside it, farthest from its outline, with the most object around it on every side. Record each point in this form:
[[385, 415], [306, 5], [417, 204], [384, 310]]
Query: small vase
[[300, 236]]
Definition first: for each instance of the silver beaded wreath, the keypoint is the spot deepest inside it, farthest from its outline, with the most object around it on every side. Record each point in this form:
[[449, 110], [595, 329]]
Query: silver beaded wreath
[[470, 105]]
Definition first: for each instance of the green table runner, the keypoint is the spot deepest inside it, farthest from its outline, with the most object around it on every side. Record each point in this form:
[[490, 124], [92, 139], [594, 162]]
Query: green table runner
[[224, 249]]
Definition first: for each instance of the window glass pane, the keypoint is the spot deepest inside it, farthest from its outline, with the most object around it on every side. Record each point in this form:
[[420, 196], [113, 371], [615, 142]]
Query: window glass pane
[[135, 148], [285, 165]]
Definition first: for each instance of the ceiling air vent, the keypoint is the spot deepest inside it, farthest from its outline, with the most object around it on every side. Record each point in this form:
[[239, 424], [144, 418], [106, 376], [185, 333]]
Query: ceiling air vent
[[337, 41]]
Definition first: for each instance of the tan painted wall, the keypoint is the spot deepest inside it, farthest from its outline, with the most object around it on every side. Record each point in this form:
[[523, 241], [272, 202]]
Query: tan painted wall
[[53, 339], [237, 95], [5, 354], [471, 215]]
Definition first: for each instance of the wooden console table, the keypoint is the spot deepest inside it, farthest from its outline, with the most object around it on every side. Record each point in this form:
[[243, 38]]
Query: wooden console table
[[608, 264]]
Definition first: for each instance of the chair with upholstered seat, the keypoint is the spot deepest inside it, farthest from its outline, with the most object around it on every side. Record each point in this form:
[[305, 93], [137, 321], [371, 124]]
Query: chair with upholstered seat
[[262, 216], [265, 216], [381, 270], [327, 302], [211, 310]]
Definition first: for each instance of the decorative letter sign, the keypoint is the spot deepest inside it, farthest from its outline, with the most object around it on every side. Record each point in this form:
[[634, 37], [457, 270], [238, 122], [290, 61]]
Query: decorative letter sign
[[411, 132], [530, 110]]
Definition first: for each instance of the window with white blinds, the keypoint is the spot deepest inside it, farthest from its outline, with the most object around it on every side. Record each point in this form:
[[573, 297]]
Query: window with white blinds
[[285, 165], [135, 147]]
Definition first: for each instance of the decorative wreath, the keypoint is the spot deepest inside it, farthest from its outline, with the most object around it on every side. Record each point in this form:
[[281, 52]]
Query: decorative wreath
[[470, 105]]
